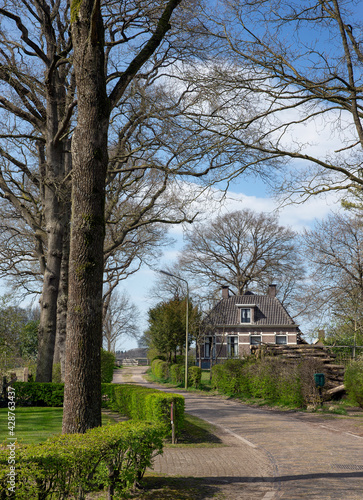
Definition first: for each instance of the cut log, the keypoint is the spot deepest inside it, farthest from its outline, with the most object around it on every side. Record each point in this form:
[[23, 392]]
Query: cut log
[[335, 390]]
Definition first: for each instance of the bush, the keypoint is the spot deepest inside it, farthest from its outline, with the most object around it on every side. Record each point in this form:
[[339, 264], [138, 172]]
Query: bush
[[353, 380], [230, 378], [194, 376], [108, 361], [177, 373], [272, 378], [160, 369], [38, 394], [114, 456], [143, 403]]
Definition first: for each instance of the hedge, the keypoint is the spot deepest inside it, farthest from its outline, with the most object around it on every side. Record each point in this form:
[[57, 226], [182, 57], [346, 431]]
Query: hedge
[[38, 394], [113, 457], [136, 402], [353, 381], [143, 403], [160, 369], [176, 373], [194, 376], [108, 361], [273, 378]]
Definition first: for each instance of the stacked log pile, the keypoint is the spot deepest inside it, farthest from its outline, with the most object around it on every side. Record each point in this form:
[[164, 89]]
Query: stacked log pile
[[334, 373]]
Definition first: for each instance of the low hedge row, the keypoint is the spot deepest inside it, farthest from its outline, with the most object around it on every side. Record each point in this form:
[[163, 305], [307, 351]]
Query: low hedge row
[[136, 402], [143, 403], [38, 394], [108, 361], [176, 373], [112, 457]]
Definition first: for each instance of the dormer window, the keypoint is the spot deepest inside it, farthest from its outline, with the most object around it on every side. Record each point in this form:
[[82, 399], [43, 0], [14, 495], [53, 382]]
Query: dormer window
[[245, 315]]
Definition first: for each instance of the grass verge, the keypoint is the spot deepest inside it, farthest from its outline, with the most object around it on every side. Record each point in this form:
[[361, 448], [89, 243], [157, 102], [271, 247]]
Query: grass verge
[[36, 424]]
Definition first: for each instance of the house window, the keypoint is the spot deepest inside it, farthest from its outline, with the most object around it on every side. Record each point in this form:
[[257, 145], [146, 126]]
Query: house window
[[281, 339], [245, 315], [208, 347], [255, 339], [232, 344]]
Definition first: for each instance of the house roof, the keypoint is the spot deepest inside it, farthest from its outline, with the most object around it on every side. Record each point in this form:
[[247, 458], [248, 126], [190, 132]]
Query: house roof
[[268, 311]]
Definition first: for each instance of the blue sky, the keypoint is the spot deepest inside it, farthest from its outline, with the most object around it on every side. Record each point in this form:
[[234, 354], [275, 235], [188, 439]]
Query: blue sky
[[242, 194]]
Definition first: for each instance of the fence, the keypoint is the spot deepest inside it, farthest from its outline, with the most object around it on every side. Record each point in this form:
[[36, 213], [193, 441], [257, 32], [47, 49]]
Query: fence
[[345, 353]]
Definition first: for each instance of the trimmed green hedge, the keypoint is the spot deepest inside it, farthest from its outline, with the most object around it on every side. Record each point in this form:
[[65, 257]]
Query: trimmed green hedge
[[143, 403], [108, 360], [194, 376], [114, 457], [136, 402], [160, 369], [175, 373], [38, 394]]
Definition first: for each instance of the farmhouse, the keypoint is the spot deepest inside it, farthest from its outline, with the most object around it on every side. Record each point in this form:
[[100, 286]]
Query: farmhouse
[[239, 322]]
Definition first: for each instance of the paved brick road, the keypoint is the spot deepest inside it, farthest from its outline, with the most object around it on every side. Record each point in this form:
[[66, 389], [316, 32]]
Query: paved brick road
[[269, 454]]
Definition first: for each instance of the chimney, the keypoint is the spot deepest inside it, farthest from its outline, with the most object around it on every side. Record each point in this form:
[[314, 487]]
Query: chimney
[[272, 291], [321, 335], [225, 292]]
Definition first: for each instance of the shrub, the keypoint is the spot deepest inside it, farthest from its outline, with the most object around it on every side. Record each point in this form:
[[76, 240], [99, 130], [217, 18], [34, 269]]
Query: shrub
[[143, 403], [160, 369], [230, 378], [272, 378], [194, 376], [262, 379], [306, 369], [108, 361], [114, 456], [353, 380], [38, 394], [177, 373]]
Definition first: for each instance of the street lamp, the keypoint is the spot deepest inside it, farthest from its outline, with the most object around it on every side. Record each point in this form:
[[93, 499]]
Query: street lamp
[[186, 323]]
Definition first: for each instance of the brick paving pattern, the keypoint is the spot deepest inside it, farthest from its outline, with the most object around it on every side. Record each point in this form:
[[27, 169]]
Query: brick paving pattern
[[268, 454]]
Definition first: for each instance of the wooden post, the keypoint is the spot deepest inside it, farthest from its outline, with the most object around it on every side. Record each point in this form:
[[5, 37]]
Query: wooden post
[[172, 423]]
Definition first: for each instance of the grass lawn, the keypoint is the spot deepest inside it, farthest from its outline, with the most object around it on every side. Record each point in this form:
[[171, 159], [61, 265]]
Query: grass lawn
[[36, 424]]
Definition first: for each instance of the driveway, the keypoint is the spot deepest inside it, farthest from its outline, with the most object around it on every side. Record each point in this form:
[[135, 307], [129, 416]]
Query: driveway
[[268, 454]]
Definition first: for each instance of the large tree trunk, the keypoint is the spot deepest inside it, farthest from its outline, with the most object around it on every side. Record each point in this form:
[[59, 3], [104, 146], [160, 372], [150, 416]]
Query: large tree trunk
[[82, 395], [54, 219], [62, 304], [55, 198]]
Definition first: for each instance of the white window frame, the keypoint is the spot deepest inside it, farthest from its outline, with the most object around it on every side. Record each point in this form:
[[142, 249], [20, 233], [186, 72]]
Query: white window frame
[[208, 342], [281, 335], [233, 344], [249, 315], [255, 335]]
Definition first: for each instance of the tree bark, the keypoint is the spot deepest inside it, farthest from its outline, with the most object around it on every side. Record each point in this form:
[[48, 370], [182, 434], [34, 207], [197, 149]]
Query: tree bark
[[54, 218], [82, 393], [82, 396]]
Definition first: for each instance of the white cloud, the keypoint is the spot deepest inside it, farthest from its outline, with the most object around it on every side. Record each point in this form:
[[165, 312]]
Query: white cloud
[[214, 202]]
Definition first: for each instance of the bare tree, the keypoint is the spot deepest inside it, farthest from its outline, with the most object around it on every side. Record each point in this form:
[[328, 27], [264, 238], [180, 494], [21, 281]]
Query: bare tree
[[334, 253], [241, 249], [300, 64], [120, 320]]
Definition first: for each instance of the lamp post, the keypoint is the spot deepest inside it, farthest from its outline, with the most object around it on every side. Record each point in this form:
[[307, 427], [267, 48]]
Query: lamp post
[[186, 323]]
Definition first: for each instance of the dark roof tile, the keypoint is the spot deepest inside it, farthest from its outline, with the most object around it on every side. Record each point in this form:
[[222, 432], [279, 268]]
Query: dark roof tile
[[268, 311]]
